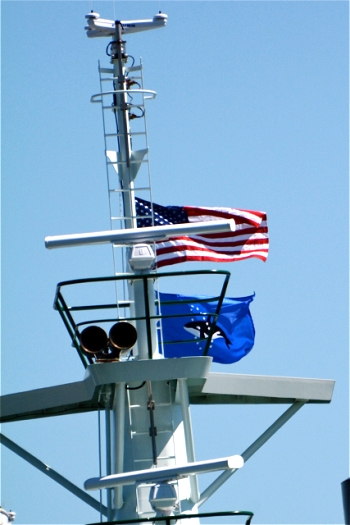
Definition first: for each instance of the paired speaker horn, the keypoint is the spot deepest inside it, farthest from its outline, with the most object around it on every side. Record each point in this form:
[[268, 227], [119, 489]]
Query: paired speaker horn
[[94, 340], [123, 335]]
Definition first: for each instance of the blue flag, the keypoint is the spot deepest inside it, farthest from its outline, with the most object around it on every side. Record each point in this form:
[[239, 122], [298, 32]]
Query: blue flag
[[187, 334]]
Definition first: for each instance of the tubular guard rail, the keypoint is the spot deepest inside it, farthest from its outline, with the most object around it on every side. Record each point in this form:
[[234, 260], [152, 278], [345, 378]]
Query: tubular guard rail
[[169, 520], [73, 327]]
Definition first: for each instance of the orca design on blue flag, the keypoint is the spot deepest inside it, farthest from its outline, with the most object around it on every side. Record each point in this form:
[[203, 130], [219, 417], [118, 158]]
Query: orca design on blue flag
[[186, 335]]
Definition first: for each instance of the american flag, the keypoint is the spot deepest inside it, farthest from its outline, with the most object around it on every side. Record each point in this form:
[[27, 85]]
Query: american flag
[[250, 239]]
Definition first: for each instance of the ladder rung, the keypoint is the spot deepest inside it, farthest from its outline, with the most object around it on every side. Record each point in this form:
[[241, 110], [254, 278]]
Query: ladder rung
[[146, 432], [131, 134], [128, 106], [133, 68], [124, 162], [123, 217], [146, 188], [119, 189], [151, 459], [110, 79]]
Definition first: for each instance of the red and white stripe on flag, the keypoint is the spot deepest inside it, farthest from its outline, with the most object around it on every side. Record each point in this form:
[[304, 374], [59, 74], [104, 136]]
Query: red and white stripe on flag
[[250, 239]]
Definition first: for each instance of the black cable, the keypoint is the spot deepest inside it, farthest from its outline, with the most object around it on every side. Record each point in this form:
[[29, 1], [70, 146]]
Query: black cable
[[135, 387], [115, 87], [132, 116], [133, 60]]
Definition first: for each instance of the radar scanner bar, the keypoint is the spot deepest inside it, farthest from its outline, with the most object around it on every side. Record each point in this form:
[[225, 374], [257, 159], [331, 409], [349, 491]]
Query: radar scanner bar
[[132, 236], [164, 473], [99, 27]]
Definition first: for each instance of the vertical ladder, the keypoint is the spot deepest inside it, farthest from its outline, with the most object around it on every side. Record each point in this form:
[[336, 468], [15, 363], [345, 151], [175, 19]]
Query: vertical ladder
[[139, 156]]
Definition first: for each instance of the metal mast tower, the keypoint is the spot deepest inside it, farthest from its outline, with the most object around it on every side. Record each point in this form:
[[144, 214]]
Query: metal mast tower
[[150, 472]]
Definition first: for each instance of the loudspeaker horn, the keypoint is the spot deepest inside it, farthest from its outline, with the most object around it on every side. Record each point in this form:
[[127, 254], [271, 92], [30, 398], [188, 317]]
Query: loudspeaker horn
[[93, 340], [122, 335]]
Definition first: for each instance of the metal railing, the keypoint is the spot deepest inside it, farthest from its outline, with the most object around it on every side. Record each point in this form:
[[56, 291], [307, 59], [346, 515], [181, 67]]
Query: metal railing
[[171, 520], [73, 327]]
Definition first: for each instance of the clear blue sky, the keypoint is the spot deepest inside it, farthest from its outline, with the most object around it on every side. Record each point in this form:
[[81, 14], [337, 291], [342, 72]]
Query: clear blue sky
[[251, 112]]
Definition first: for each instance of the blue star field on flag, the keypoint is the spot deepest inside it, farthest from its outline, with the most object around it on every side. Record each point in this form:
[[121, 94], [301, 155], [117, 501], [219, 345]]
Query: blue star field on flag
[[186, 330]]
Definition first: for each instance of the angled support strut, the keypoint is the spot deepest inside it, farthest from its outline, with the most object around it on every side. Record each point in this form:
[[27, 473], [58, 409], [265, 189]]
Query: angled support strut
[[220, 480], [61, 480]]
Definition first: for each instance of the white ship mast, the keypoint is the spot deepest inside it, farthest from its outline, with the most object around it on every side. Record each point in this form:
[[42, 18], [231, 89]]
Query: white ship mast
[[150, 471]]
